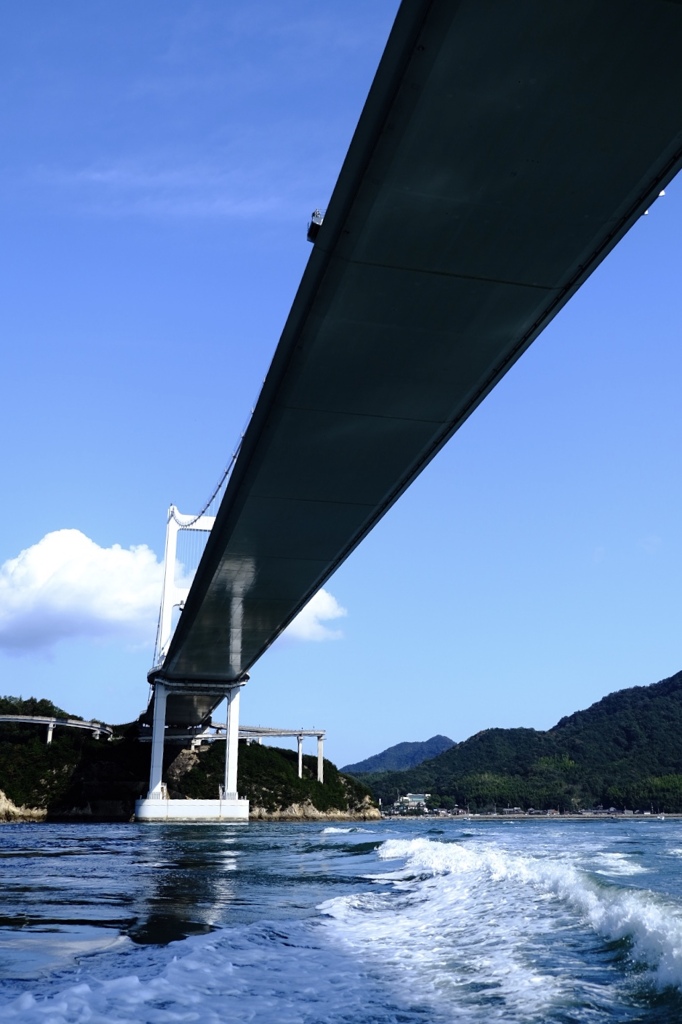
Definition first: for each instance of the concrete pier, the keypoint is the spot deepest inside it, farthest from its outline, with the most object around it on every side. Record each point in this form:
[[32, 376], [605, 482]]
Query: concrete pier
[[157, 806], [160, 809]]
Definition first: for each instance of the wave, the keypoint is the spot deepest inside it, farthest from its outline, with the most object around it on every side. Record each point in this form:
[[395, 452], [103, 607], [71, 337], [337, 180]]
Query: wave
[[481, 930], [652, 924], [617, 864], [330, 829], [474, 930], [280, 972]]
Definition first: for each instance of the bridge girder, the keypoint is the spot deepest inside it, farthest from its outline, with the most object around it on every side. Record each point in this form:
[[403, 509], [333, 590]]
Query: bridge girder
[[504, 149]]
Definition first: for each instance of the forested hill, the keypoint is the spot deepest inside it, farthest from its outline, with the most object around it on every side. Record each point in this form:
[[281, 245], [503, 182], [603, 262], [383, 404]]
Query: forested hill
[[402, 755], [624, 751], [78, 777], [32, 706]]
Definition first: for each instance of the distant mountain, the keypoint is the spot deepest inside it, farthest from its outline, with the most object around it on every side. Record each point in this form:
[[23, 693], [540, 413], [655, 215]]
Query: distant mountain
[[401, 756], [623, 751]]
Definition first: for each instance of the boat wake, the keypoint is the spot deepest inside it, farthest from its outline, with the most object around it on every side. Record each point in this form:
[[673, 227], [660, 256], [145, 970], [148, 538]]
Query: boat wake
[[475, 927]]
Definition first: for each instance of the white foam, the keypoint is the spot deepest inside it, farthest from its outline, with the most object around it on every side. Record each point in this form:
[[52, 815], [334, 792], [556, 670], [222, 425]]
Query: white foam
[[471, 932], [651, 923], [454, 947], [617, 864], [330, 829], [258, 974]]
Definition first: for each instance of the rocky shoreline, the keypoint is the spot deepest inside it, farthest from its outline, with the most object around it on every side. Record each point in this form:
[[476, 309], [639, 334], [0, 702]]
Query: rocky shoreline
[[9, 811], [308, 812], [305, 811]]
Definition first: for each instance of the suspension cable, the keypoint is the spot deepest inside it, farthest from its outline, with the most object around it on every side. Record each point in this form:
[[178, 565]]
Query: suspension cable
[[218, 487], [182, 521]]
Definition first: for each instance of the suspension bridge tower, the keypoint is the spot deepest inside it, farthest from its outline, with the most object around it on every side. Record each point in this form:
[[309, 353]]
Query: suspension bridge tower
[[157, 806]]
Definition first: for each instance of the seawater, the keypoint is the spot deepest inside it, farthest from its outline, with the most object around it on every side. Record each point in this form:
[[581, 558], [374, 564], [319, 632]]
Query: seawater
[[398, 921]]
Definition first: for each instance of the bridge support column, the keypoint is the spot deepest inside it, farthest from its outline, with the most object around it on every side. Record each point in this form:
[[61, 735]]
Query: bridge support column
[[229, 791], [156, 787], [300, 757], [228, 807], [320, 758], [50, 731]]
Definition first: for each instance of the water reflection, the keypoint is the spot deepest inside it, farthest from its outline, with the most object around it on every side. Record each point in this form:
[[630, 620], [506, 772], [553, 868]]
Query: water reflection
[[73, 890], [190, 890]]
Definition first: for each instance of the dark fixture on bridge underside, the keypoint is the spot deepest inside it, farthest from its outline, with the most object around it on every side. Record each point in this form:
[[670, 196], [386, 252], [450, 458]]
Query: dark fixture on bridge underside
[[315, 225]]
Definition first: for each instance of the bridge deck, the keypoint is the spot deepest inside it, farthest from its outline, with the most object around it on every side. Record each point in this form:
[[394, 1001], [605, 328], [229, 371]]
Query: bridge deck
[[72, 723], [504, 149]]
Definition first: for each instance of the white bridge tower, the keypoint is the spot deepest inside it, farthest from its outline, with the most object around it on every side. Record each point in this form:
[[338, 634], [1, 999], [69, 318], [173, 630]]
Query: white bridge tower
[[172, 595], [157, 806]]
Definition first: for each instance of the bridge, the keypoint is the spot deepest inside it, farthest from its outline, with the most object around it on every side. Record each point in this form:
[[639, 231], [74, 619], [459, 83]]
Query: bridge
[[209, 733], [96, 728], [258, 733], [503, 151]]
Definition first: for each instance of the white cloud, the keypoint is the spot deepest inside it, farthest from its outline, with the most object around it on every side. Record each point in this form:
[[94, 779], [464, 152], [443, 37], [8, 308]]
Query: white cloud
[[309, 623], [66, 586]]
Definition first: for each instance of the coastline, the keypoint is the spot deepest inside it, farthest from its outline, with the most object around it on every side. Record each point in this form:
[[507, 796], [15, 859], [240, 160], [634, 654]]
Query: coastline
[[532, 817]]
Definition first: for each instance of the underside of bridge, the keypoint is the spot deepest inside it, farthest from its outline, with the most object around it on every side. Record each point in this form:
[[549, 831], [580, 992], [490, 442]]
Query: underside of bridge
[[503, 150]]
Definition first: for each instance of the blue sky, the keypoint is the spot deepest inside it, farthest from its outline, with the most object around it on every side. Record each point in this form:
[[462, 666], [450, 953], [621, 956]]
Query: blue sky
[[159, 165]]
